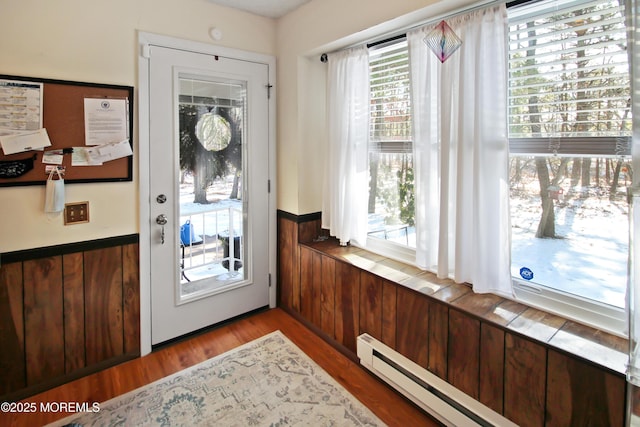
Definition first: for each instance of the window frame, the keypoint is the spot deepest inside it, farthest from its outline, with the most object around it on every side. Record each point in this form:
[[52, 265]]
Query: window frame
[[382, 143], [583, 310], [588, 311]]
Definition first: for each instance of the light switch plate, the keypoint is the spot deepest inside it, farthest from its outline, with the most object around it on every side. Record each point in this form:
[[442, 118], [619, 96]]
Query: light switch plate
[[76, 213]]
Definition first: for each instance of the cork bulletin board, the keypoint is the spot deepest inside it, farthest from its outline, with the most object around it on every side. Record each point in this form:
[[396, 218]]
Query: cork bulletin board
[[63, 117]]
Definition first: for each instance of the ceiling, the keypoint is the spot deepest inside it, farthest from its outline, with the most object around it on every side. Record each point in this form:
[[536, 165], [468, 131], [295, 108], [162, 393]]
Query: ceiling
[[268, 8]]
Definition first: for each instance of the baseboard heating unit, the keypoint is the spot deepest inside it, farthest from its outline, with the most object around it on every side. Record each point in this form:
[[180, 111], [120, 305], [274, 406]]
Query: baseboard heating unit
[[443, 401]]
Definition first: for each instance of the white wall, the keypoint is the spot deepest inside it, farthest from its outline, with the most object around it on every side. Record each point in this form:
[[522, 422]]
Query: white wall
[[92, 41]]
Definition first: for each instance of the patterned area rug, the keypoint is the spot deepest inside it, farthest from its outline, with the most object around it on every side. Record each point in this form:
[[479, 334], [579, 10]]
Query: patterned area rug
[[267, 382]]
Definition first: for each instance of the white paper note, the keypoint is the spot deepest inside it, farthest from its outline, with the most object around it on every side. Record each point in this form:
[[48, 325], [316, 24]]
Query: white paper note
[[82, 157], [115, 151], [26, 141], [53, 157], [20, 105], [105, 120]]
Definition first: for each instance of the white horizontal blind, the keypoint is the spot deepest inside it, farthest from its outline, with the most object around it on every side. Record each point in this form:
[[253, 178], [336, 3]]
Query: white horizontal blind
[[569, 90], [390, 98]]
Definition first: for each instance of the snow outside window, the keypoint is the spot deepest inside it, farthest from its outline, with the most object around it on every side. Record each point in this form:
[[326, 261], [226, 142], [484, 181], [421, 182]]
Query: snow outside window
[[570, 165]]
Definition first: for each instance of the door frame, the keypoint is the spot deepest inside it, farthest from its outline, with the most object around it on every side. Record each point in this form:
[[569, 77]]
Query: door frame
[[145, 40]]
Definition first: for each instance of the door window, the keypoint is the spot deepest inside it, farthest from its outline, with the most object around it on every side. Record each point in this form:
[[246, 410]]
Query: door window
[[211, 130]]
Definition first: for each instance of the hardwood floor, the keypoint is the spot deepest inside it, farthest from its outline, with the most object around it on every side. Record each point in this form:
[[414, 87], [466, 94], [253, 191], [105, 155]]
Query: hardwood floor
[[392, 408]]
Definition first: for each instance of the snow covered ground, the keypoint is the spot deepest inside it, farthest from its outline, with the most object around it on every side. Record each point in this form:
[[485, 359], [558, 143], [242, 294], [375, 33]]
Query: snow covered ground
[[209, 221], [590, 258], [213, 218]]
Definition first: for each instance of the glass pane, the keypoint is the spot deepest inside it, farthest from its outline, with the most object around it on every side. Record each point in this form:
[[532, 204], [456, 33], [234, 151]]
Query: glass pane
[[568, 71], [211, 129], [570, 225], [391, 199]]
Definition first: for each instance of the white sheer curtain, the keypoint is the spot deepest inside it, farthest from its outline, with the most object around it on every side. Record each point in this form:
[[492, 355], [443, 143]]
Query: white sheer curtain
[[461, 153], [344, 203]]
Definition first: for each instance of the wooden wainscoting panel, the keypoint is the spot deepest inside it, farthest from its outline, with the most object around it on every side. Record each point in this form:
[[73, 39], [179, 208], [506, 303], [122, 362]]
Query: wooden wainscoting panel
[[12, 363], [579, 394], [492, 367], [308, 230], [316, 288], [413, 326], [616, 390], [74, 345], [311, 280], [288, 266], [347, 304], [524, 381], [499, 357], [389, 313], [131, 297], [634, 393], [464, 352], [44, 335], [328, 296], [61, 312], [438, 339], [306, 279], [371, 305], [103, 301]]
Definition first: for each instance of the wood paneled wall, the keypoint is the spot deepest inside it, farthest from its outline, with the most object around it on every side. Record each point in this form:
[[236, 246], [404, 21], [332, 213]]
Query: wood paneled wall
[[65, 315], [525, 380]]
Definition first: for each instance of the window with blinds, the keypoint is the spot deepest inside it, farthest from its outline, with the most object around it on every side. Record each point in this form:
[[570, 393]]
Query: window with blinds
[[570, 166], [391, 200], [569, 90], [390, 98]]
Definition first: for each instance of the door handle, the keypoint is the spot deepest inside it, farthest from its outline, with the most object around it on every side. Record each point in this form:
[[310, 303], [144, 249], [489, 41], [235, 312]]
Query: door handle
[[161, 220]]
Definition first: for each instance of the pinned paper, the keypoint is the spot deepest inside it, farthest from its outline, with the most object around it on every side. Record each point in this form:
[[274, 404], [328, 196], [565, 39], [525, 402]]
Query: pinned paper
[[53, 157], [99, 154], [105, 120], [82, 157], [115, 151], [20, 105], [25, 141]]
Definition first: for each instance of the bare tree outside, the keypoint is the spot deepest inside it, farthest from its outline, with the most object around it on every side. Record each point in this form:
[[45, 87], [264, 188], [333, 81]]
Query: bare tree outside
[[569, 129], [577, 94], [210, 144]]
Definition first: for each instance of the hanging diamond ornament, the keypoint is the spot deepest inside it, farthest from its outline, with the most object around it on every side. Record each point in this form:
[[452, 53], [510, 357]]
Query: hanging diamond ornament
[[442, 41]]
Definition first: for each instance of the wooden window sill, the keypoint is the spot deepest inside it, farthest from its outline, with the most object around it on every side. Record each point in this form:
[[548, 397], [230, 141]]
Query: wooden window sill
[[588, 343]]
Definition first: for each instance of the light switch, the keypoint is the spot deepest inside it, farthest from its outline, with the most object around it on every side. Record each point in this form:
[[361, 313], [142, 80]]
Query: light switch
[[75, 213]]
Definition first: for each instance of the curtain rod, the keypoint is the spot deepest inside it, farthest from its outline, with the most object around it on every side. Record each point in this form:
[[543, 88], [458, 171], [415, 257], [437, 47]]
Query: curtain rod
[[325, 56], [387, 40]]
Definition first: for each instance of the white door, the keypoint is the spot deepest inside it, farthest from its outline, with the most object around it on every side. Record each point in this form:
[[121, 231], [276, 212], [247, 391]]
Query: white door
[[208, 174]]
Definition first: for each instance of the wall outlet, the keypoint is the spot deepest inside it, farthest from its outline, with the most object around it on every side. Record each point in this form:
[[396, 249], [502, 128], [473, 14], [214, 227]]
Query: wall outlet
[[75, 213]]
